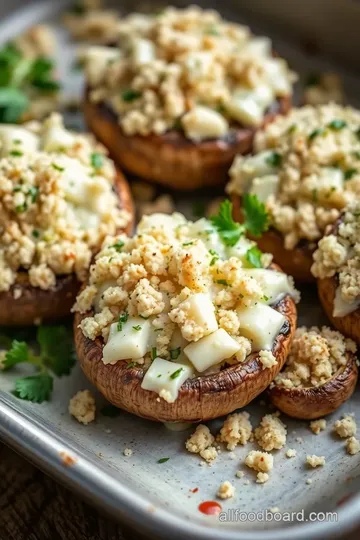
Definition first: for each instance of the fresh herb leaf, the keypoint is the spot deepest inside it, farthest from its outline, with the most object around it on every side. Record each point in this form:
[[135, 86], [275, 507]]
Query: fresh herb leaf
[[21, 208], [13, 103], [35, 233], [34, 193], [274, 159], [188, 244], [256, 217], [122, 320], [153, 353], [229, 231], [314, 195], [56, 348], [16, 153], [222, 282], [175, 353], [130, 95], [18, 353], [118, 245], [350, 173], [253, 257], [315, 133], [46, 85], [337, 125], [137, 328], [36, 388], [176, 373], [163, 460], [130, 365], [214, 258], [111, 411], [97, 160], [57, 167]]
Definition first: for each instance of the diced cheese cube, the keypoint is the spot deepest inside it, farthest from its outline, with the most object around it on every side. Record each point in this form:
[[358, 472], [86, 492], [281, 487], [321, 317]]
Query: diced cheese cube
[[129, 343], [17, 138], [259, 165], [342, 308], [87, 218], [143, 51], [245, 109], [259, 46], [261, 324], [211, 350], [204, 123], [158, 220], [274, 284], [198, 64], [96, 60], [199, 308], [240, 249], [165, 378], [264, 95], [330, 177], [208, 235], [265, 186], [56, 138], [277, 75]]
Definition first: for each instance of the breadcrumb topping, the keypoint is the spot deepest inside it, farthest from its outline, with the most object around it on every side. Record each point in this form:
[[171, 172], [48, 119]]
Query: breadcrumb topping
[[82, 406], [316, 354], [290, 453], [57, 202], [315, 461], [261, 462], [352, 446], [271, 433], [338, 254], [226, 490], [318, 425], [200, 442], [306, 169], [186, 69], [236, 429], [346, 427]]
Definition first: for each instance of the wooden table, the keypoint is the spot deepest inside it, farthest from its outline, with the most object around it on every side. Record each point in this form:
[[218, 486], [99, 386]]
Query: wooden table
[[35, 507]]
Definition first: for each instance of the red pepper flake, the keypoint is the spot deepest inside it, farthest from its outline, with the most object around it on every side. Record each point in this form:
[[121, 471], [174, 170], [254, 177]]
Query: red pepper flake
[[67, 460], [210, 508], [195, 490], [344, 499]]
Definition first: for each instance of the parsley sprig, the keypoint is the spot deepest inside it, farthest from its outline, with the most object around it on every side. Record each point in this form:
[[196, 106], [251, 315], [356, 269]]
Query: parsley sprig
[[256, 220], [54, 355]]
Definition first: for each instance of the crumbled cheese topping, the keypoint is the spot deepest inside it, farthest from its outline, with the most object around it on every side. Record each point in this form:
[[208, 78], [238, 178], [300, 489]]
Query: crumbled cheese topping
[[267, 359], [315, 461], [306, 169], [316, 354], [271, 433], [82, 406], [226, 490], [57, 202], [186, 69], [324, 88], [318, 425], [346, 427], [177, 292], [236, 429], [338, 254], [201, 442]]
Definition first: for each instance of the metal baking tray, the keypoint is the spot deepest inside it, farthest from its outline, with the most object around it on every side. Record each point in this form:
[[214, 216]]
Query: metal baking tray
[[162, 499]]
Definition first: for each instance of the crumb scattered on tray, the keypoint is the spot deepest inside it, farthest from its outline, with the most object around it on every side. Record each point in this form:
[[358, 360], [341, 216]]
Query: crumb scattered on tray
[[309, 481], [262, 477], [352, 446], [226, 490], [346, 427], [128, 452], [239, 474], [315, 461], [259, 461], [290, 453], [236, 430], [200, 442], [318, 425], [267, 359], [82, 406], [271, 433]]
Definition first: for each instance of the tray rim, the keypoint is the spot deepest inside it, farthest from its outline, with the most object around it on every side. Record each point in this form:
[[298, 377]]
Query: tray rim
[[27, 436]]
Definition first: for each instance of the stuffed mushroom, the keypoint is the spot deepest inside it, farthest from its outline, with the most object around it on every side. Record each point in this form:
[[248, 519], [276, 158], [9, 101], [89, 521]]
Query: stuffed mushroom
[[305, 169], [337, 269], [186, 322], [60, 196], [180, 93], [320, 374]]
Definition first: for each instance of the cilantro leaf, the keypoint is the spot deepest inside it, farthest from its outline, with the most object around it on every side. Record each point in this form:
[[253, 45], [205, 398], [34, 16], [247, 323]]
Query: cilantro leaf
[[18, 353], [122, 320], [229, 231], [253, 257], [256, 217], [36, 388], [163, 460], [56, 348], [13, 103], [111, 411]]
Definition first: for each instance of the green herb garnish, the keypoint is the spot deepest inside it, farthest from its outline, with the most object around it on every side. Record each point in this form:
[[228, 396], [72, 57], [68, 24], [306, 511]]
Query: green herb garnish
[[137, 328], [274, 159], [118, 245], [337, 125], [176, 373], [153, 353], [130, 95], [175, 353], [122, 320], [222, 282], [253, 257], [16, 153], [57, 167], [350, 173], [315, 133], [163, 460], [97, 160]]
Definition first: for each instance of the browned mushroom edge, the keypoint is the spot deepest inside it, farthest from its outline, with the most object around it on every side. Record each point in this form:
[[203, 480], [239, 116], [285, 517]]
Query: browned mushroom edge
[[295, 262], [172, 159], [201, 398], [317, 401], [35, 304]]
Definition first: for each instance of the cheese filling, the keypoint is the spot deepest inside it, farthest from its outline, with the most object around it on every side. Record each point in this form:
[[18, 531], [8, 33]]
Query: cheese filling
[[186, 69], [167, 300], [57, 202]]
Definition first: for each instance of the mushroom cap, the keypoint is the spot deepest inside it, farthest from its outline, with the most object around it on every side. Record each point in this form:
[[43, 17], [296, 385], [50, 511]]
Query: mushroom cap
[[35, 304], [317, 401], [201, 398], [171, 159], [296, 262]]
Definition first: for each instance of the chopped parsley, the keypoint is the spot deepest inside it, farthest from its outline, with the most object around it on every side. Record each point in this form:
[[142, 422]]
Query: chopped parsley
[[350, 173], [214, 258], [274, 159], [130, 95], [153, 353], [175, 353], [253, 257], [16, 153], [118, 245], [122, 320], [34, 193], [130, 365], [212, 30], [315, 133], [97, 160], [137, 328], [222, 282], [188, 244], [21, 208], [163, 460], [57, 167], [337, 125], [176, 373], [35, 233], [314, 195], [265, 298]]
